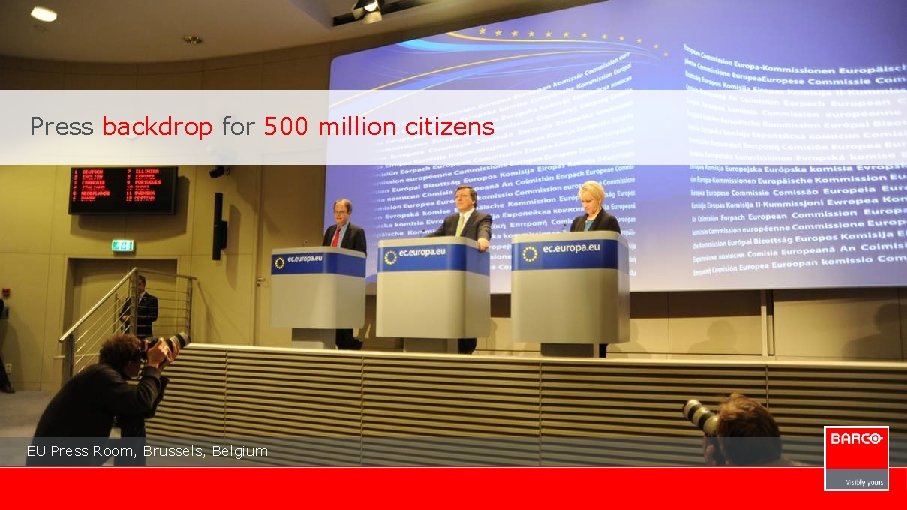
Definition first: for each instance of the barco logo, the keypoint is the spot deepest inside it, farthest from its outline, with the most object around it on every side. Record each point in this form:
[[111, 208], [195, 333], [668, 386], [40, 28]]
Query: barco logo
[[856, 458], [855, 438]]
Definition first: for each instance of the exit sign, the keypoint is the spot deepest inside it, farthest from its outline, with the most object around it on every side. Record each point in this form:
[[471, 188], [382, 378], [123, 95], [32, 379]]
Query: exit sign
[[123, 245]]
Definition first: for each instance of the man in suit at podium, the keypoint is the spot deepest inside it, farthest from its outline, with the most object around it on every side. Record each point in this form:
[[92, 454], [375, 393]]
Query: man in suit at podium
[[146, 311], [468, 222], [344, 234], [591, 196]]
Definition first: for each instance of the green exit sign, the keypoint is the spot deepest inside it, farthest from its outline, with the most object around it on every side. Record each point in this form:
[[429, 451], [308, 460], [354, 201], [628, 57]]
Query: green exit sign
[[123, 245]]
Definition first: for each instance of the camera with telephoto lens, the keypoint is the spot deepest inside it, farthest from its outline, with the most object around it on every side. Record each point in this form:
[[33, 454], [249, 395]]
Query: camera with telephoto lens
[[707, 422], [701, 416], [181, 338]]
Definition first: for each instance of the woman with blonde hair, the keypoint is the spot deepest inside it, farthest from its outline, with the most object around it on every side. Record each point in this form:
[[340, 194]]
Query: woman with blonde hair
[[591, 196]]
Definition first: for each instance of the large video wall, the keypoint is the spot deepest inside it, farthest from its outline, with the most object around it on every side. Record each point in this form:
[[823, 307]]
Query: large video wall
[[710, 227]]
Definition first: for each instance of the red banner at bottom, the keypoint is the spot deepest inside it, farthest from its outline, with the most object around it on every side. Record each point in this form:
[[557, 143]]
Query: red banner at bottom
[[438, 488]]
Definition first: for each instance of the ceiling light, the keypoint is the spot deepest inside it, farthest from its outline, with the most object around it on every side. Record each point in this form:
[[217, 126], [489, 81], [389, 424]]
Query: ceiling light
[[43, 14], [368, 5], [367, 11]]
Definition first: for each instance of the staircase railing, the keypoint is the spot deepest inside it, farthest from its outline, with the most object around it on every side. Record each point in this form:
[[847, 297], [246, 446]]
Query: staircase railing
[[115, 313]]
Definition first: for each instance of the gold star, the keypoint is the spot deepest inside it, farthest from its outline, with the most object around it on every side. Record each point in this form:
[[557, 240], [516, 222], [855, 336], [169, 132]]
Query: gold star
[[482, 31], [584, 35], [515, 33], [497, 33], [548, 34], [531, 34], [566, 35]]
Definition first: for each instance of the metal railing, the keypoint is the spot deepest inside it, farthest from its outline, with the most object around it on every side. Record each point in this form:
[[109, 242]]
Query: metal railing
[[116, 313]]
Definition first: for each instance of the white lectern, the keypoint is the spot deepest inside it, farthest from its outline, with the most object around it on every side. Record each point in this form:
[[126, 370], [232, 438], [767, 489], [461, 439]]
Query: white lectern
[[570, 291], [316, 291], [432, 291]]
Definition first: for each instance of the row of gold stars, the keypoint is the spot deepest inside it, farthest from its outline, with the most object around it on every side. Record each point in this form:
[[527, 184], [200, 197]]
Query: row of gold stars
[[566, 35]]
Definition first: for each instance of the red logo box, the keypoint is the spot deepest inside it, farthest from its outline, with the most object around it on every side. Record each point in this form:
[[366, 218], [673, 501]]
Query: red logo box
[[856, 447]]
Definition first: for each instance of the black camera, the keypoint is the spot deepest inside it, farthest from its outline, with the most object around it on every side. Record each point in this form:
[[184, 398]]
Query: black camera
[[701, 416], [182, 338]]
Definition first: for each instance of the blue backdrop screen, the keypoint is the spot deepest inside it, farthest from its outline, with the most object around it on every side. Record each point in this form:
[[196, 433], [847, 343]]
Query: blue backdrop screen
[[689, 228]]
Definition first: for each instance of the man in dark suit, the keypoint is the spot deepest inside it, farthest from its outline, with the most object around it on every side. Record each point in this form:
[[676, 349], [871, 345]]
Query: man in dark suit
[[471, 223], [344, 234], [82, 413], [146, 311], [591, 196]]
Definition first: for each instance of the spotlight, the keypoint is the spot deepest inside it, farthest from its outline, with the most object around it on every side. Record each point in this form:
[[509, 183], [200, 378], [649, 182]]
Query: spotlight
[[368, 5], [369, 11], [219, 171]]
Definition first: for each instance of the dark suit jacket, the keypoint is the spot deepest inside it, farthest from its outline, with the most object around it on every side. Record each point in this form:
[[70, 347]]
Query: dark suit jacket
[[4, 378], [353, 238], [147, 313], [85, 407], [604, 221], [477, 227]]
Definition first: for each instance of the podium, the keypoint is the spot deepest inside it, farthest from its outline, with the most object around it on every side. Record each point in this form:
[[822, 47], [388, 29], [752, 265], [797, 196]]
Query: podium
[[570, 291], [316, 291], [432, 291]]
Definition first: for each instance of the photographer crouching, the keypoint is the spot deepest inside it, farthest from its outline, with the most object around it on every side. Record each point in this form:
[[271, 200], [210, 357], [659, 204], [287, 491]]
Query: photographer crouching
[[75, 428], [742, 433]]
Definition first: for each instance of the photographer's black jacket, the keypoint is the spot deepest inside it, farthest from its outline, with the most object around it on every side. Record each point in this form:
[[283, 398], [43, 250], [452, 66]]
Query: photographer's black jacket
[[86, 407]]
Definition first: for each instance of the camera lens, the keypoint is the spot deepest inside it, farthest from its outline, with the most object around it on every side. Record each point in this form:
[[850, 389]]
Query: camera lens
[[701, 416], [180, 338]]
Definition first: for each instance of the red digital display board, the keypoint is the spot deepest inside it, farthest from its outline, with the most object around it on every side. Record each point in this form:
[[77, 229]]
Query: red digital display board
[[123, 190]]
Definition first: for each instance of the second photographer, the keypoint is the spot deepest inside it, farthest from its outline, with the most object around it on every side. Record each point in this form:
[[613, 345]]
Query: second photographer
[[742, 433]]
